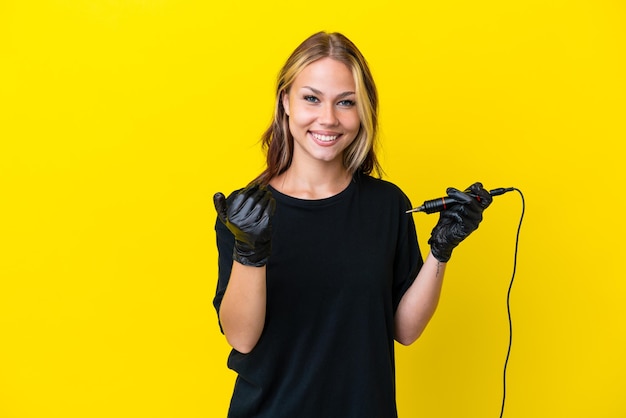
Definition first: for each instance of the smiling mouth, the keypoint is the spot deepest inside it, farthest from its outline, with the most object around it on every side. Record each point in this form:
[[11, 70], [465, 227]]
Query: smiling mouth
[[324, 138]]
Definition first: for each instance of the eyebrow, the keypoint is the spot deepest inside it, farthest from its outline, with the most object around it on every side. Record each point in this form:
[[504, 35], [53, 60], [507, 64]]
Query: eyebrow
[[316, 91]]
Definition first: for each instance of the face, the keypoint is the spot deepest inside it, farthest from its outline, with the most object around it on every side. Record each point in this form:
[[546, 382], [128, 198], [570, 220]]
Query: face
[[323, 117]]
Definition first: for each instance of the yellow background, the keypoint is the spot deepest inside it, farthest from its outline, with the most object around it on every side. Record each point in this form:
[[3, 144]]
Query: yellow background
[[120, 119]]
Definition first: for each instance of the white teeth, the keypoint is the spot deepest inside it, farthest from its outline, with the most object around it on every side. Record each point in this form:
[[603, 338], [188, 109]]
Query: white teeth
[[325, 138]]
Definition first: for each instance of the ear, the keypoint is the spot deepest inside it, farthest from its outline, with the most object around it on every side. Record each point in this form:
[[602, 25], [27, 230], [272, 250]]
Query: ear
[[285, 99]]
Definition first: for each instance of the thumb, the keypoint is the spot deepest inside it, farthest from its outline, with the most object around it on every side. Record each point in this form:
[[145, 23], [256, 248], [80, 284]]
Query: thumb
[[219, 200], [458, 195]]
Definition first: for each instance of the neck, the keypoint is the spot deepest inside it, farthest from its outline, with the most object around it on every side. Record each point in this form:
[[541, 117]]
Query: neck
[[307, 183]]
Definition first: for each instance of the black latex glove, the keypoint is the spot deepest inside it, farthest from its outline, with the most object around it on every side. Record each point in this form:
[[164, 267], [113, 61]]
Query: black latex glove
[[248, 215], [457, 222]]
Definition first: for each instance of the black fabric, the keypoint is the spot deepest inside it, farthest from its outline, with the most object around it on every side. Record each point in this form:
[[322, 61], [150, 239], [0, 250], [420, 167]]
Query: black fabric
[[338, 269]]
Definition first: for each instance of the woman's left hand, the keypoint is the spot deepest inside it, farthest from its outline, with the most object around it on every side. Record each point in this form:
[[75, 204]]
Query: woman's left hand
[[459, 221]]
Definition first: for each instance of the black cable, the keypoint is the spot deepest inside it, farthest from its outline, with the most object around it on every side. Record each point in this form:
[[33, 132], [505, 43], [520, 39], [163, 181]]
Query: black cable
[[508, 302]]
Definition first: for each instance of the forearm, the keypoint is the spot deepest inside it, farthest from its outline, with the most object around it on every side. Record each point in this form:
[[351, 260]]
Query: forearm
[[419, 303], [242, 312]]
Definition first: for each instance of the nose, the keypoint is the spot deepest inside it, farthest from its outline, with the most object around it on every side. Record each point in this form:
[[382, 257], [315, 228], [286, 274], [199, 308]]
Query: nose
[[328, 115]]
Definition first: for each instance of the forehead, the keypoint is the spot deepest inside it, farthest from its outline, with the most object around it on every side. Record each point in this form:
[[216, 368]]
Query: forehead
[[326, 73]]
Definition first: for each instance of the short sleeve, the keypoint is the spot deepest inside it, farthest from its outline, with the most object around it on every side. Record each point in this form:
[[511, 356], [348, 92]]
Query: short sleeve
[[225, 244], [408, 259]]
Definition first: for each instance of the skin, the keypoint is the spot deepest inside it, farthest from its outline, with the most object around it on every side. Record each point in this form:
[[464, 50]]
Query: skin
[[323, 120]]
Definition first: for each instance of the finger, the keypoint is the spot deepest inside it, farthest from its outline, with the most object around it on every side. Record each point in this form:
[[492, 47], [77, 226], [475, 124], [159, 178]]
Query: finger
[[482, 195], [244, 201], [458, 195], [261, 213], [473, 213], [256, 211], [219, 200], [250, 190], [259, 199], [476, 186]]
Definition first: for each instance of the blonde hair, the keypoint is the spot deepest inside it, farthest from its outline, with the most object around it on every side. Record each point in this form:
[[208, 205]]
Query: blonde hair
[[277, 141]]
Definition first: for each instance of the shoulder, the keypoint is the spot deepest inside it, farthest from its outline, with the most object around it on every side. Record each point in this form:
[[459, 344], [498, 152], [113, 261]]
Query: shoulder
[[383, 193], [379, 186]]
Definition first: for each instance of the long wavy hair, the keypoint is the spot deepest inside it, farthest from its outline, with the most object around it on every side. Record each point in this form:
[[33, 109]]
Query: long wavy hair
[[277, 140]]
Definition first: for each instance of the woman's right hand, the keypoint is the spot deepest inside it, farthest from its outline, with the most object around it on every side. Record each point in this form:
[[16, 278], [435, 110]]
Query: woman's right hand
[[248, 215]]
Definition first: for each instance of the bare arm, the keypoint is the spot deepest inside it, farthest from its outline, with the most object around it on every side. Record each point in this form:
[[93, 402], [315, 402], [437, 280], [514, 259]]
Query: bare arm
[[456, 223], [247, 215], [419, 303], [242, 312]]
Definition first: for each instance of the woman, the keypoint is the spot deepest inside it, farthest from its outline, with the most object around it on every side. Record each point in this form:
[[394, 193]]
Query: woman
[[319, 265]]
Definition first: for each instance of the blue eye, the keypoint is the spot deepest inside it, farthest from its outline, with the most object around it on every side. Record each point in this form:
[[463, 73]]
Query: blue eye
[[347, 103], [311, 99]]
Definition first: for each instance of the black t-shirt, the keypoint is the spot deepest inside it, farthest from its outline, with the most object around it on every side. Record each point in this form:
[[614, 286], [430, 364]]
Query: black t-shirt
[[338, 269]]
